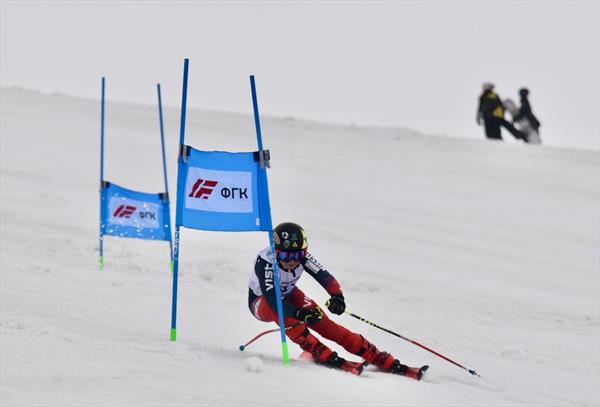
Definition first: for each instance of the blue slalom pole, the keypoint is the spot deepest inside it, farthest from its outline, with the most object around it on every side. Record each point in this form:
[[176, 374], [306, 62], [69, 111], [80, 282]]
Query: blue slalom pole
[[162, 143], [284, 346], [101, 245], [178, 215]]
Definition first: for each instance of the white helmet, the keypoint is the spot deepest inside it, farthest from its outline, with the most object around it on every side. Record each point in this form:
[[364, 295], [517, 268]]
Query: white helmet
[[487, 86]]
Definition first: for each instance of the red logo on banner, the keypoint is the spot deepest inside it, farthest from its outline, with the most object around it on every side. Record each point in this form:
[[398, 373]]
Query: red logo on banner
[[202, 189], [124, 211]]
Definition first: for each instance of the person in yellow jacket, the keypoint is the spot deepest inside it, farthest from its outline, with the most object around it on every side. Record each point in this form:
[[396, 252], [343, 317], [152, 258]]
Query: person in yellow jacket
[[491, 112]]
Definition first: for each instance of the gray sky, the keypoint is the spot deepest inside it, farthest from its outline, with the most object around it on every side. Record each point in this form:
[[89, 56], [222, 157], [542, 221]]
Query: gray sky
[[415, 64]]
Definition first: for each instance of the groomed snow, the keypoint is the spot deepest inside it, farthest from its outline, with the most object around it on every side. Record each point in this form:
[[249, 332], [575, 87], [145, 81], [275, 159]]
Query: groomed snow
[[487, 252]]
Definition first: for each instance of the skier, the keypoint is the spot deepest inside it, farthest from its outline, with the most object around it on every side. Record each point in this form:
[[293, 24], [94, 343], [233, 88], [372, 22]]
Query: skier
[[491, 112], [301, 312]]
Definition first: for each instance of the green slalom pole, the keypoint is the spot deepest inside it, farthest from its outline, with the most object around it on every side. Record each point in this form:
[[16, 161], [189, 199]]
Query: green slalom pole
[[285, 352]]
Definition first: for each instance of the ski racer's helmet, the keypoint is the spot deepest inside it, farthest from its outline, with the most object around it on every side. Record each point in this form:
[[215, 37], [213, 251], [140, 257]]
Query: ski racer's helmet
[[289, 237], [487, 86]]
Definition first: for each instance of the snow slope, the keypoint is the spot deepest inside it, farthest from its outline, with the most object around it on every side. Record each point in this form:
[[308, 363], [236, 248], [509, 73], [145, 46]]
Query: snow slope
[[487, 252]]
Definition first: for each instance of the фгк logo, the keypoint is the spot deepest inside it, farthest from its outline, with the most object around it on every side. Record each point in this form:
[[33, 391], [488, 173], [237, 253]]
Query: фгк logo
[[124, 211], [204, 188], [127, 212], [202, 191]]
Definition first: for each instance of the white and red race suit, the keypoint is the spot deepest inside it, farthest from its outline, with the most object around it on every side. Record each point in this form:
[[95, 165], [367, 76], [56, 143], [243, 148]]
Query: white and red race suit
[[262, 304]]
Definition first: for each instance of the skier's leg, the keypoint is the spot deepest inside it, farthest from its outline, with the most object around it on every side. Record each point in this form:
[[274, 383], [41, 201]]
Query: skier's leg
[[492, 129], [358, 345], [299, 334], [352, 342]]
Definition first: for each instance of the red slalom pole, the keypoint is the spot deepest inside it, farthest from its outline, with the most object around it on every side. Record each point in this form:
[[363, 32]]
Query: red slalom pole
[[473, 372], [244, 346]]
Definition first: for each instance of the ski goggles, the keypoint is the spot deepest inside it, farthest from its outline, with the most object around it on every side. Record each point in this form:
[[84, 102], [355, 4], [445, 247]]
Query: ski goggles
[[290, 256]]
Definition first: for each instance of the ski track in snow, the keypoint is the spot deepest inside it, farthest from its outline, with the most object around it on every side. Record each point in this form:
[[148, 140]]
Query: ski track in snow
[[486, 252]]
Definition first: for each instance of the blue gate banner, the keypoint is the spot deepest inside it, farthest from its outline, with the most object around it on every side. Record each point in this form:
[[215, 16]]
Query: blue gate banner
[[222, 191], [128, 213]]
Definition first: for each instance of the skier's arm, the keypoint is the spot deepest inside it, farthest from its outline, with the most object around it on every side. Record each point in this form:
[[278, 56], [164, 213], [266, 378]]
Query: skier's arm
[[536, 122], [479, 116], [525, 107], [526, 112], [336, 303], [264, 272], [323, 277]]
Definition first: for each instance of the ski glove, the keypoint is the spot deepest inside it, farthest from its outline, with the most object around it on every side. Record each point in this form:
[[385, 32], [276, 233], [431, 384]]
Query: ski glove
[[309, 315], [336, 304]]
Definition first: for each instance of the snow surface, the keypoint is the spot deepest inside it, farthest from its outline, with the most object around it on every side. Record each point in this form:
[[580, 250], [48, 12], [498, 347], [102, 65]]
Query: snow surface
[[487, 252]]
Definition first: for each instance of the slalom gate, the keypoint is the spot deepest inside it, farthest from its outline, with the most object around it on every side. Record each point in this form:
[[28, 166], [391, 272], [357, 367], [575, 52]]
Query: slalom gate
[[222, 191], [128, 213]]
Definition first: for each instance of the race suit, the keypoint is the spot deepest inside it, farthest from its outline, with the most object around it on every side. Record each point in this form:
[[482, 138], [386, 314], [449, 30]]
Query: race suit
[[262, 304]]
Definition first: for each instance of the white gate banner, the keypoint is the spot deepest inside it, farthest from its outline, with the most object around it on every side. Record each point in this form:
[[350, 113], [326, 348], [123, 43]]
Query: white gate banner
[[131, 212], [218, 191]]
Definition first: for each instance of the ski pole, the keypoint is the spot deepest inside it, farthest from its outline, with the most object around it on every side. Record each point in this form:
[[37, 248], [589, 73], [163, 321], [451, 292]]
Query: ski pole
[[473, 372], [244, 346]]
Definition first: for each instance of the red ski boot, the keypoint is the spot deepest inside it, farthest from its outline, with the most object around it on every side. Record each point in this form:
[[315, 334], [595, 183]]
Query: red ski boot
[[412, 372], [336, 362], [371, 354]]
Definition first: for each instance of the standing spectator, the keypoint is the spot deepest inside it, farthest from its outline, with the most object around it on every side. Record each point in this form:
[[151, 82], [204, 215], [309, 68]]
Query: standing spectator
[[491, 111], [525, 113]]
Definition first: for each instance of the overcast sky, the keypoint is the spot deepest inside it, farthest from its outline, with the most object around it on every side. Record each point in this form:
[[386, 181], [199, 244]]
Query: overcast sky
[[414, 64]]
